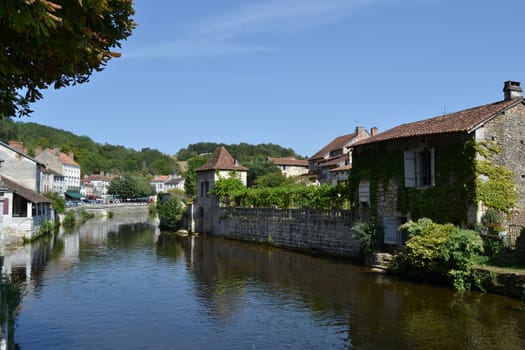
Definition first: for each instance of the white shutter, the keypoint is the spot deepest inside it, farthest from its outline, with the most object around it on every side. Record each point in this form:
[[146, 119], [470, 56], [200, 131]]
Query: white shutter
[[410, 168], [364, 191]]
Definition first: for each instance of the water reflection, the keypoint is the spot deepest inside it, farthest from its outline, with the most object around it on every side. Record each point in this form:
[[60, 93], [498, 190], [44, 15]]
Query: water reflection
[[375, 311], [123, 284]]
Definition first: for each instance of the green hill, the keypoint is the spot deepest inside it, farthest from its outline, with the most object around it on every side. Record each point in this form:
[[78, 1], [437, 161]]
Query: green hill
[[93, 157]]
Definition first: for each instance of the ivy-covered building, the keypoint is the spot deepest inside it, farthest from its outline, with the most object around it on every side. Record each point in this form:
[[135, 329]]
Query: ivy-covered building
[[449, 168]]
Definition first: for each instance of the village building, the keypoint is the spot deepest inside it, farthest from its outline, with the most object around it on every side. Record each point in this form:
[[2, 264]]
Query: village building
[[221, 165], [449, 168], [166, 183], [335, 154], [96, 186], [290, 166], [24, 208], [158, 183], [65, 165]]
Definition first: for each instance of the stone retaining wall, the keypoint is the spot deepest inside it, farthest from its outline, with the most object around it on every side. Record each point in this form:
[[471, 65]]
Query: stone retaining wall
[[316, 231]]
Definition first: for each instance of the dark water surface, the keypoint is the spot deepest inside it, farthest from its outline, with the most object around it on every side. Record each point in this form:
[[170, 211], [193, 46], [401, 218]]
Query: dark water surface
[[127, 286]]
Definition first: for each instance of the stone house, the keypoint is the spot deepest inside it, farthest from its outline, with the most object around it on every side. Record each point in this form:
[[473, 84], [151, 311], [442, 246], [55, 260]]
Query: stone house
[[23, 207], [220, 165], [66, 166], [336, 153], [440, 167], [290, 166]]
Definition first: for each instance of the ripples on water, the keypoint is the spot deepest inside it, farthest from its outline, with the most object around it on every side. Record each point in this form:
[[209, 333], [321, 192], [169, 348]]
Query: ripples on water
[[130, 288]]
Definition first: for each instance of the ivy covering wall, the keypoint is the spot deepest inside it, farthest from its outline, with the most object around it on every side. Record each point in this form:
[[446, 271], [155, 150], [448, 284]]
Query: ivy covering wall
[[446, 202]]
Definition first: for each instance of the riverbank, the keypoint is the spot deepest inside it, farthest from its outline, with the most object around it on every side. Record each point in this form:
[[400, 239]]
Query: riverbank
[[503, 281]]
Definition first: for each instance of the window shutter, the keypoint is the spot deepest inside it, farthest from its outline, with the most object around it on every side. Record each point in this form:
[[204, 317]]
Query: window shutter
[[410, 168], [364, 191], [6, 206]]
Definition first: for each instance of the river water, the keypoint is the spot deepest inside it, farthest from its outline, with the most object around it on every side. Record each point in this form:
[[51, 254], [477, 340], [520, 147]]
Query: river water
[[120, 284]]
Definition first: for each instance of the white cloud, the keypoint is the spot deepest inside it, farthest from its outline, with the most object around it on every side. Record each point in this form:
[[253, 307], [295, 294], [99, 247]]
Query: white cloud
[[221, 34]]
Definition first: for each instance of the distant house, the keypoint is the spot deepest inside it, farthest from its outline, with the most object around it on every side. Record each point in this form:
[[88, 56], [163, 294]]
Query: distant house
[[96, 185], [165, 183], [437, 167], [174, 183], [65, 165], [290, 166], [335, 154], [23, 207], [220, 165], [158, 183]]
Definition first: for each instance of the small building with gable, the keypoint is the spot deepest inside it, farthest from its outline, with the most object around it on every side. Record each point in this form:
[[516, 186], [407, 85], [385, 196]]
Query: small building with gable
[[220, 165]]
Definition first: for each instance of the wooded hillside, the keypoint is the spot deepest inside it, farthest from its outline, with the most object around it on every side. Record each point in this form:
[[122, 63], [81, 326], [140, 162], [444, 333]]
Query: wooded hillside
[[94, 157]]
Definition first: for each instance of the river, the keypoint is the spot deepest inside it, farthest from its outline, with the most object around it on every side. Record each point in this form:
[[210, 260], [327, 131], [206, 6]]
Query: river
[[121, 284]]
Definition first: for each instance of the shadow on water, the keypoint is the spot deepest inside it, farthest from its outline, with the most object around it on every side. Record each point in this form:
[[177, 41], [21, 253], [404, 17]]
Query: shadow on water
[[377, 311]]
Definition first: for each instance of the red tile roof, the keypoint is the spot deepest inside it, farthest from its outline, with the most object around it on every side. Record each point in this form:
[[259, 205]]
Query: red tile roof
[[341, 168], [334, 161], [160, 178], [288, 161], [466, 120], [221, 159], [337, 143]]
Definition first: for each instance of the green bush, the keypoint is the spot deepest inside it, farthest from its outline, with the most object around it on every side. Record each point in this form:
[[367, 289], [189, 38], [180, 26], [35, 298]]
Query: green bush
[[57, 202], [440, 252], [369, 235], [70, 220], [170, 212], [11, 295]]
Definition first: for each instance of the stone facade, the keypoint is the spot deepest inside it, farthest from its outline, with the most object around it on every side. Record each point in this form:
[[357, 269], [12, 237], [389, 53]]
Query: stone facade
[[508, 132], [430, 167]]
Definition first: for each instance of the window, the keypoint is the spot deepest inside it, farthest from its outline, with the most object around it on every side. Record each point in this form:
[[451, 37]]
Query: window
[[364, 192], [205, 187], [419, 168]]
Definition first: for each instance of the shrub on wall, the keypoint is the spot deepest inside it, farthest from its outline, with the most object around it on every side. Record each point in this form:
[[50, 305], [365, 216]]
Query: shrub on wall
[[291, 196]]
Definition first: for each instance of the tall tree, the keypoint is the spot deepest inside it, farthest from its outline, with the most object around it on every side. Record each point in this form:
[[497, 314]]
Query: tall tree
[[55, 43]]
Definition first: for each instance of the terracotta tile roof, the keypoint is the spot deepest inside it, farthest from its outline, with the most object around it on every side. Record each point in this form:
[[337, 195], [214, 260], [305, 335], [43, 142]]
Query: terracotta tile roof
[[337, 143], [288, 161], [221, 159], [160, 178], [341, 168], [22, 191], [466, 120], [334, 161], [64, 158]]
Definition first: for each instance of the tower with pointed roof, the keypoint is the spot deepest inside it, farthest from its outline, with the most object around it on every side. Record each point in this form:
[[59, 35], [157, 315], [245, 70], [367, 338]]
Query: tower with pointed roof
[[220, 165]]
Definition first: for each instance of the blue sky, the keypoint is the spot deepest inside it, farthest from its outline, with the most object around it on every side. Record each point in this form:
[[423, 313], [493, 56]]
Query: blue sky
[[296, 73]]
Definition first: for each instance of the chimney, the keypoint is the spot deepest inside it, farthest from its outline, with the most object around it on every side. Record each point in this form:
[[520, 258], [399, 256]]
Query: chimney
[[360, 131], [512, 89], [18, 145], [374, 131], [71, 155]]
